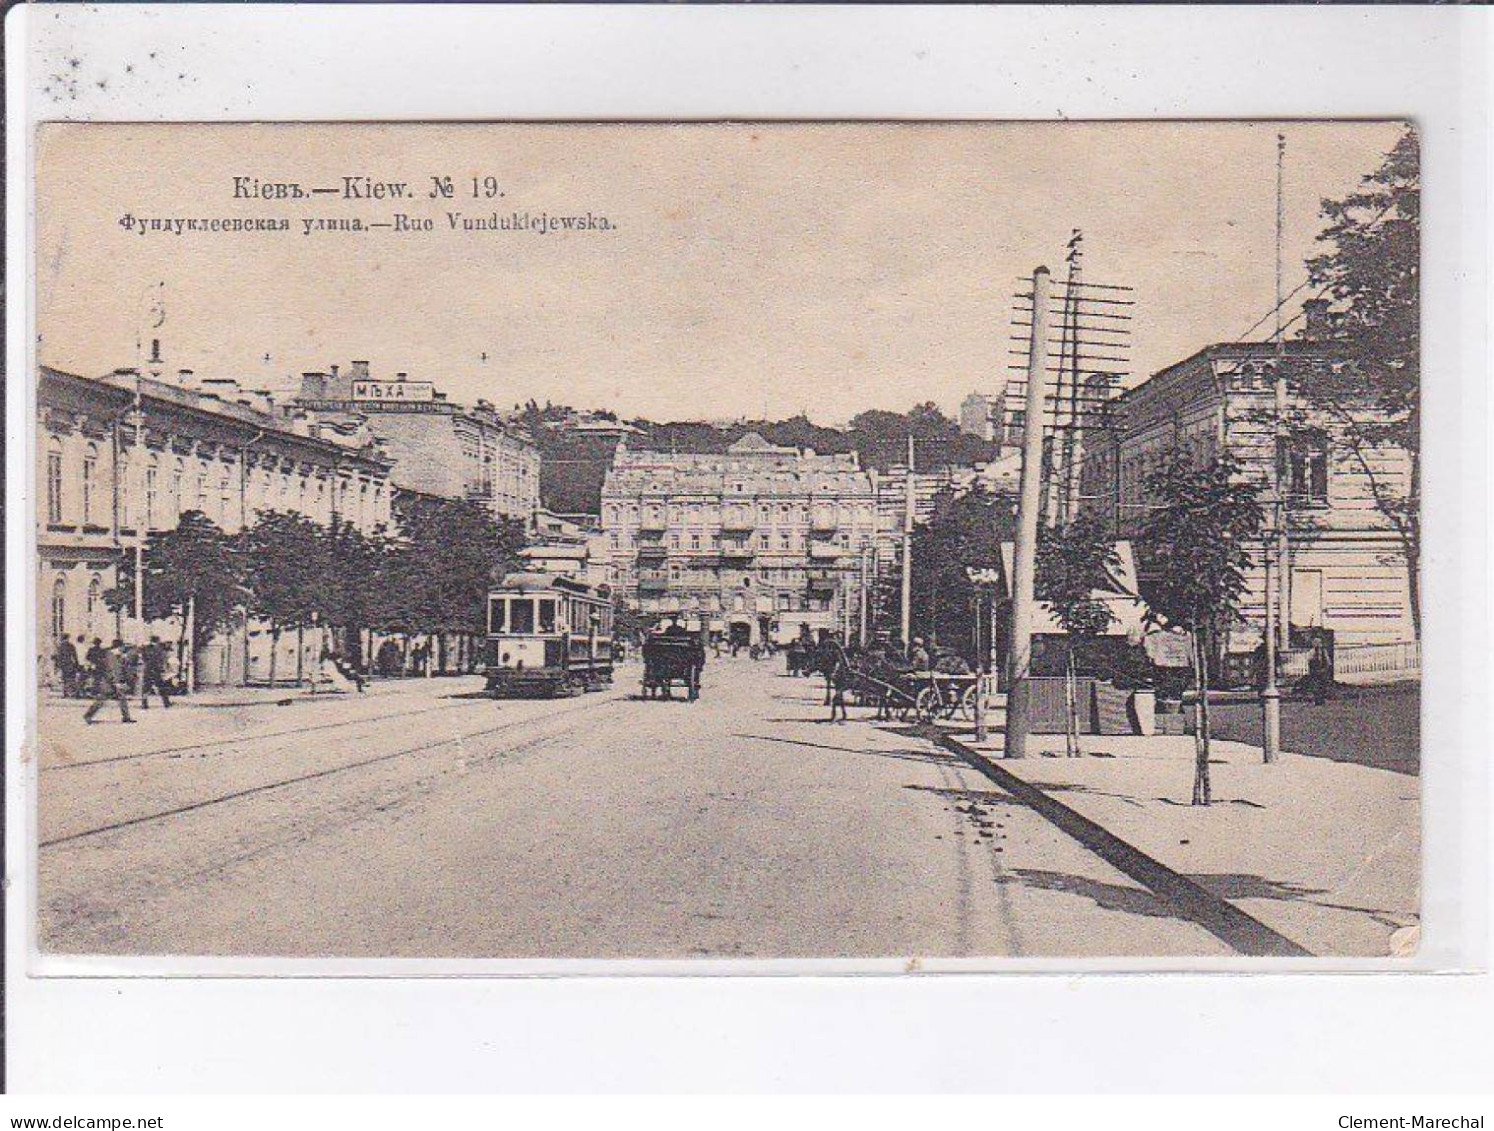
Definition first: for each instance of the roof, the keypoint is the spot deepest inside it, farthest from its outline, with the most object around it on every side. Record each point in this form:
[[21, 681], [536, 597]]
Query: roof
[[531, 581]]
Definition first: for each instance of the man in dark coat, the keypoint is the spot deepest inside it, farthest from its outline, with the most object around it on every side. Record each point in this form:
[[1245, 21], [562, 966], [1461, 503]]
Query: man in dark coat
[[113, 683], [153, 673], [66, 659], [93, 660]]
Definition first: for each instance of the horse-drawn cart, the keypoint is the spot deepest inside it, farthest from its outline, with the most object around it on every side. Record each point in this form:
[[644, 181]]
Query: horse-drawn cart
[[914, 695], [670, 662]]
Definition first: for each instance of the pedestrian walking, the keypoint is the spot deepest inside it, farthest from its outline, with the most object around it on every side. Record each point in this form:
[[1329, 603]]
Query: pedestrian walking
[[113, 683], [68, 666], [93, 667], [153, 673]]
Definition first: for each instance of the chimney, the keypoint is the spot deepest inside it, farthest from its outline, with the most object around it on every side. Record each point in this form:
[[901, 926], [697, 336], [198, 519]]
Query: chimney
[[359, 371], [155, 351], [401, 376], [184, 378], [1317, 324], [313, 386]]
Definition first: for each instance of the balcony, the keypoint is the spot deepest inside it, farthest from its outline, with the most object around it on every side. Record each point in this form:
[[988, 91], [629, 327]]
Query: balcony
[[737, 552], [652, 551], [825, 551], [652, 525], [738, 522], [824, 523], [653, 583]]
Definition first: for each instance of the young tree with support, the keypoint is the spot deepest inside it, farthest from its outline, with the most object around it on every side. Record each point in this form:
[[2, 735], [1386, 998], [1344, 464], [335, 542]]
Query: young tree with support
[[1074, 560], [1196, 543]]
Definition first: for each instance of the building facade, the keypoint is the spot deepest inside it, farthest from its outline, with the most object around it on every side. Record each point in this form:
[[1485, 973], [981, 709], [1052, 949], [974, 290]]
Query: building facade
[[1345, 567], [125, 455], [753, 543], [980, 415], [438, 448]]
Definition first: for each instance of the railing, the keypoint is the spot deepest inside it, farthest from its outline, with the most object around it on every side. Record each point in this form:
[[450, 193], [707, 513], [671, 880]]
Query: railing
[[1376, 663]]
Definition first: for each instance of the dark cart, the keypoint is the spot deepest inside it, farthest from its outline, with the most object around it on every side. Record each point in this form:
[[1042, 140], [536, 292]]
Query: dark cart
[[670, 662], [921, 696]]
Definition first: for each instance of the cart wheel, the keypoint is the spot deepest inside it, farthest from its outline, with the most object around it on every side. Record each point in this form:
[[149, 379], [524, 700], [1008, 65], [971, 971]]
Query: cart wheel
[[967, 701], [928, 705]]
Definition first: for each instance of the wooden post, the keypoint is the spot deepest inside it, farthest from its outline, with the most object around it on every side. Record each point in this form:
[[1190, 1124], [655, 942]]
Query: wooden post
[[1024, 553]]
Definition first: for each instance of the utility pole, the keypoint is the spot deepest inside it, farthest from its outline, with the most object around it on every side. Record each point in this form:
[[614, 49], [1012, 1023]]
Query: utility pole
[[908, 506], [142, 508], [865, 590], [1024, 553], [1270, 692]]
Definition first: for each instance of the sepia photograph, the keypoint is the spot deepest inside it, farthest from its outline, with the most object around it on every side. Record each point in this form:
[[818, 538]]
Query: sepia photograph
[[727, 541]]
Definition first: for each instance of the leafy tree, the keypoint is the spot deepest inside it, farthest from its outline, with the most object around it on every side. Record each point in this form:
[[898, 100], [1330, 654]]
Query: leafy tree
[[965, 530], [193, 566], [1370, 268], [288, 572], [1073, 561], [448, 553], [1195, 542]]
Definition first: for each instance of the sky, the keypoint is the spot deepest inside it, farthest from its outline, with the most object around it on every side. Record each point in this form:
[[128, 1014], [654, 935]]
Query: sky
[[751, 269]]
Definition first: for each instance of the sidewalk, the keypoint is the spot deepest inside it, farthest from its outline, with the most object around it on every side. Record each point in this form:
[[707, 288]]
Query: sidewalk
[[1327, 853], [288, 694]]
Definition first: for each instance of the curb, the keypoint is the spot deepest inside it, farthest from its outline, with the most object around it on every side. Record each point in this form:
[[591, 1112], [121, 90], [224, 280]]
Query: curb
[[1222, 919]]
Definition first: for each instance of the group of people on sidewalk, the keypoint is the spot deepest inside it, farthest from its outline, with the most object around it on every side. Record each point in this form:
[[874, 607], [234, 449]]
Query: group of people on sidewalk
[[115, 672]]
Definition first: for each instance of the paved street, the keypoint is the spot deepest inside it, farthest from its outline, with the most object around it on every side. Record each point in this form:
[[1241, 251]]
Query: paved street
[[421, 821]]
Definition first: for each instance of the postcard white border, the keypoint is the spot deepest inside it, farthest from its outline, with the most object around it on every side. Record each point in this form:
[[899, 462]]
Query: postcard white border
[[333, 62]]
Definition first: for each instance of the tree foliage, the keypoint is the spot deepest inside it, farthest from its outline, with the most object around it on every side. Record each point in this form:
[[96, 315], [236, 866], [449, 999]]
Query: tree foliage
[[965, 531], [1371, 399], [1073, 561], [1196, 543]]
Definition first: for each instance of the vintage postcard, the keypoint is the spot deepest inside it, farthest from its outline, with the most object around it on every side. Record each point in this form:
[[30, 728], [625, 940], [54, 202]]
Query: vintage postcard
[[914, 541]]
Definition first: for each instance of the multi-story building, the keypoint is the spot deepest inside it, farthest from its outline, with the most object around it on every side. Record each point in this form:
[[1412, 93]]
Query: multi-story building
[[754, 542], [126, 454], [980, 415], [1345, 567], [438, 448]]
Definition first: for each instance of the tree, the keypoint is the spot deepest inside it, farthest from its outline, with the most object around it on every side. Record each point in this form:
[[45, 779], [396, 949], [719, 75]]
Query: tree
[[1073, 561], [191, 567], [1370, 268], [448, 553], [288, 574], [1195, 543], [965, 530]]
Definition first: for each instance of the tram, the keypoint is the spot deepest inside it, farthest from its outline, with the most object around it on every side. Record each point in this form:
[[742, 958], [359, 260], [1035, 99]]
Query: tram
[[548, 635]]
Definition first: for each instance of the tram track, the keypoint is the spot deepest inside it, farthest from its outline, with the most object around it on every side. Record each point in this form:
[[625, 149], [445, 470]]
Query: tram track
[[243, 740], [319, 774]]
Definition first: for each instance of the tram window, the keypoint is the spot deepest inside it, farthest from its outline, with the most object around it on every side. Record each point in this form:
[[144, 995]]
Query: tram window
[[497, 614], [521, 616], [546, 615]]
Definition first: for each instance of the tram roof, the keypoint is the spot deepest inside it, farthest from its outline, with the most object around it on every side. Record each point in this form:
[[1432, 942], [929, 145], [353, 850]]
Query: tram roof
[[532, 582]]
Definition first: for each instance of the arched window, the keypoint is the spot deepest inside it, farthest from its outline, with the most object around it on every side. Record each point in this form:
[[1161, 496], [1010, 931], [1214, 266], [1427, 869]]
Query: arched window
[[225, 497], [54, 481], [59, 608], [90, 481], [152, 477], [95, 606], [174, 501], [126, 486]]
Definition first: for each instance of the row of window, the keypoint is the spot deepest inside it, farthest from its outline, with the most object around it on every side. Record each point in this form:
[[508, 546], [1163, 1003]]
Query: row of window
[[170, 488], [621, 514]]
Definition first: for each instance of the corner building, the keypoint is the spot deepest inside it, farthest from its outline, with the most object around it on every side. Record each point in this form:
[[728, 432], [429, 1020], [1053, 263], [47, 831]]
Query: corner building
[[752, 543]]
